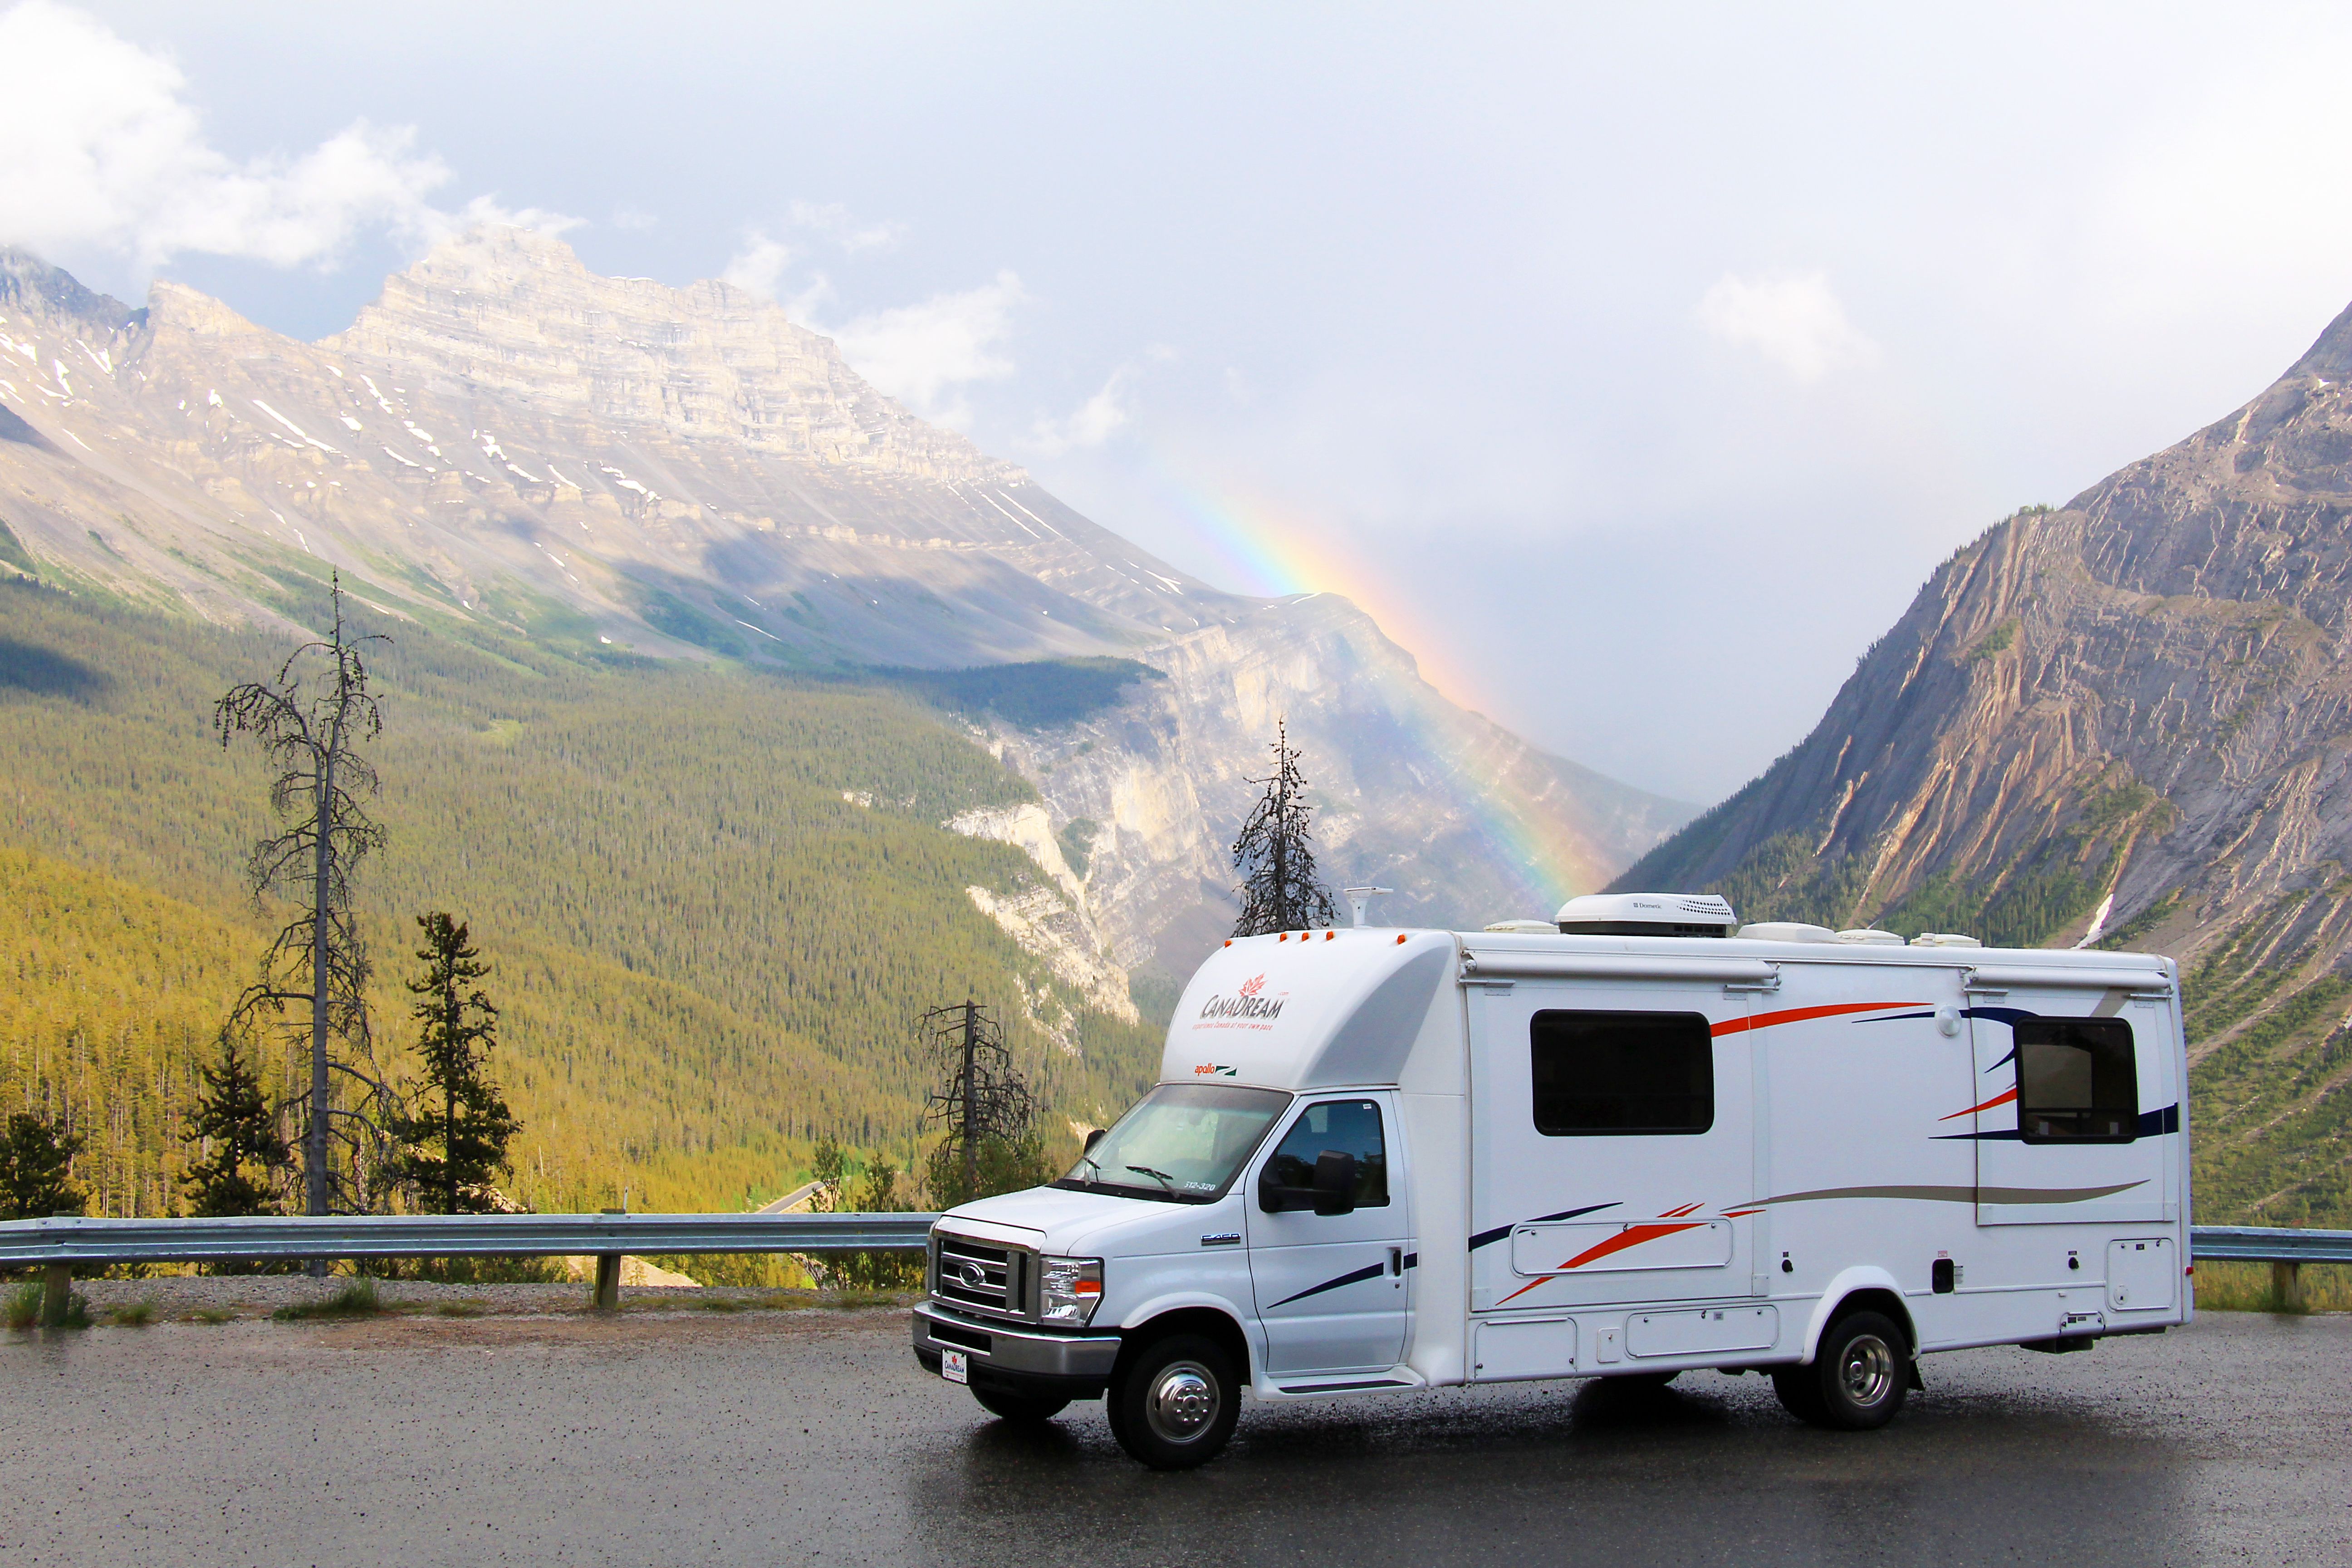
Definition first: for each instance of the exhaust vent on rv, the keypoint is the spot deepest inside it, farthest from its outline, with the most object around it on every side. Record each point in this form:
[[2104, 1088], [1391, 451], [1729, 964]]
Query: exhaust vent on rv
[[1647, 914]]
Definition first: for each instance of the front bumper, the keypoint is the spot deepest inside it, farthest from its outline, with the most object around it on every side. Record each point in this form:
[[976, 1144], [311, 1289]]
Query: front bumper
[[1077, 1366]]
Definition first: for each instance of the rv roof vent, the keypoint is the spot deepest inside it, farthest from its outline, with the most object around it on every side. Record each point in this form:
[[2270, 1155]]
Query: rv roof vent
[[1863, 936], [1786, 931], [1544, 928], [1944, 938], [1647, 914]]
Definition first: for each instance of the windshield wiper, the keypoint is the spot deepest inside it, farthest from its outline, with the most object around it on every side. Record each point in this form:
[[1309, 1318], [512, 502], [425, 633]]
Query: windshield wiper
[[1162, 1177]]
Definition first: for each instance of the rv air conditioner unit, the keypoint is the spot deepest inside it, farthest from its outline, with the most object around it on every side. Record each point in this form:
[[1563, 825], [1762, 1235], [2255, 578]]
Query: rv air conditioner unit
[[1647, 914]]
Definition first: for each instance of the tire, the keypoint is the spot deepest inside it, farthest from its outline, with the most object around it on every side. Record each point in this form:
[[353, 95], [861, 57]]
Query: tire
[[1021, 1409], [1175, 1404], [1858, 1380]]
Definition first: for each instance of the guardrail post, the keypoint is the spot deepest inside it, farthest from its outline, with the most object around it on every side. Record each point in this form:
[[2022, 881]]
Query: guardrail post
[[57, 1294], [607, 1298], [2286, 1287]]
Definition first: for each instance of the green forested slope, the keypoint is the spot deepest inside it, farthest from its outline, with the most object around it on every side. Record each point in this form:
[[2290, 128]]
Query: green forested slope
[[707, 955]]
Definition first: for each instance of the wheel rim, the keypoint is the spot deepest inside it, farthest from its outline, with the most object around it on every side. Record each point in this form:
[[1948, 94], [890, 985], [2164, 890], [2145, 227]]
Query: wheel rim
[[1866, 1369], [1183, 1402]]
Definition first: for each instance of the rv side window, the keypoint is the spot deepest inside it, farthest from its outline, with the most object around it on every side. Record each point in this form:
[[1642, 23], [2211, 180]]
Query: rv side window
[[1612, 1074], [2075, 1081]]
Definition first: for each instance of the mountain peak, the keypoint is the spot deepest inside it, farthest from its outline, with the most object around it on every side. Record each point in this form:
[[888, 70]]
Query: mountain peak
[[514, 312], [29, 284], [177, 307], [2330, 357]]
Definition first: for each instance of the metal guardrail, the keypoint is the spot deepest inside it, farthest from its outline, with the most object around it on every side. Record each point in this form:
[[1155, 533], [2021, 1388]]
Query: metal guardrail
[[69, 1240], [2260, 1244], [57, 1244]]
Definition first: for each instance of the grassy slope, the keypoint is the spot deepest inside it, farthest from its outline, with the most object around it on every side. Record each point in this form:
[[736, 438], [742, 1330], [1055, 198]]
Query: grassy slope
[[707, 955]]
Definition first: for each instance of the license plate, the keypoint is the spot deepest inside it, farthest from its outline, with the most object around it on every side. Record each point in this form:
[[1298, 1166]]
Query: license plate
[[954, 1367]]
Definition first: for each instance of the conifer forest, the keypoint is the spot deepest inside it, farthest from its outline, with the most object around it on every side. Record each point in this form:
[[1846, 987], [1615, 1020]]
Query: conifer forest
[[706, 951]]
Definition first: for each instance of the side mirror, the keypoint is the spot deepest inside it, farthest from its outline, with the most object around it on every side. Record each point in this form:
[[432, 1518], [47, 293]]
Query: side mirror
[[1333, 1191], [1094, 1137], [1335, 1183]]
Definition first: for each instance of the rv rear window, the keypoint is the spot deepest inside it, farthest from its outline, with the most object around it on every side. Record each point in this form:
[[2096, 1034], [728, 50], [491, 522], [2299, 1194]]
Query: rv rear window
[[1614, 1074], [2075, 1081]]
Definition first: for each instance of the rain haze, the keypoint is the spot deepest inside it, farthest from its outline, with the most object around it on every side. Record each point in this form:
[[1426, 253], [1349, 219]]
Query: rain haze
[[1631, 369]]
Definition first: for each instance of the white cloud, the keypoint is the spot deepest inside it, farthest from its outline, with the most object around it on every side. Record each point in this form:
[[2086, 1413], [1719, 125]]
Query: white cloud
[[759, 267], [634, 219], [103, 153], [1091, 424], [834, 222], [1794, 321], [431, 225], [919, 353]]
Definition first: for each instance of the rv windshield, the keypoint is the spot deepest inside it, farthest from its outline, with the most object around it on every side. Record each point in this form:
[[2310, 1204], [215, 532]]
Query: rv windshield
[[1183, 1142]]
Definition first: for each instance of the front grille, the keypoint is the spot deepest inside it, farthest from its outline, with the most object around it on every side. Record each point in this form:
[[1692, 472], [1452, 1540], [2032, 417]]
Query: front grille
[[980, 1276]]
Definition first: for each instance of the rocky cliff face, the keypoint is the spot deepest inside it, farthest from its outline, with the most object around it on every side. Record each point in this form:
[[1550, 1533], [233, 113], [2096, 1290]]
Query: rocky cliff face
[[1466, 822], [609, 463], [2128, 719]]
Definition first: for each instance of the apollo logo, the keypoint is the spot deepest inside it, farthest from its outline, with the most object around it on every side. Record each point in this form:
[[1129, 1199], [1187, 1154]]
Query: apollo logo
[[1215, 1069]]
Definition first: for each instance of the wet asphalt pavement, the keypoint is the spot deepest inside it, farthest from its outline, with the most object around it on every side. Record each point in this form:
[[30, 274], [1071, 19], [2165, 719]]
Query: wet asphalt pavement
[[791, 1438]]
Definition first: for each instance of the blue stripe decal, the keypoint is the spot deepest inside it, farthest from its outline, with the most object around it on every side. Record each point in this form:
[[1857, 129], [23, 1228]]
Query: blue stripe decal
[[2152, 1124], [1370, 1271], [1488, 1238]]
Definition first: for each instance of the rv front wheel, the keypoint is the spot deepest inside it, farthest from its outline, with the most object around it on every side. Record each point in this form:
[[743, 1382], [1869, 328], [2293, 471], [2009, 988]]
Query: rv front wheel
[[1175, 1404], [1857, 1379]]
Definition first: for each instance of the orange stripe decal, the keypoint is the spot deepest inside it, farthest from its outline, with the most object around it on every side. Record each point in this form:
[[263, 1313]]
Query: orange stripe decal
[[1632, 1236], [2003, 1098], [1800, 1015]]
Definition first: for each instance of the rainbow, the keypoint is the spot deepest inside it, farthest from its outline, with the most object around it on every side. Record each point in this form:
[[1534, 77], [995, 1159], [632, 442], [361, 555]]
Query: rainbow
[[1280, 553]]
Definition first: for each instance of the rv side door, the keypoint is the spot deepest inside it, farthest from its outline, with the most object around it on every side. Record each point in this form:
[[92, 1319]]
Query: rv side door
[[2074, 1103]]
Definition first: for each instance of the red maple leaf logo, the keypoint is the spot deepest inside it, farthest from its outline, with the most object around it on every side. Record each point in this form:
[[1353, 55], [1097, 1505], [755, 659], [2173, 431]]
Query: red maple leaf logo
[[1252, 987]]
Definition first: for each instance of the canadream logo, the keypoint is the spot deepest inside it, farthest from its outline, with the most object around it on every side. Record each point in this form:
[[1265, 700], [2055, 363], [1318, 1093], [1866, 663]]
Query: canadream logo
[[1249, 1003]]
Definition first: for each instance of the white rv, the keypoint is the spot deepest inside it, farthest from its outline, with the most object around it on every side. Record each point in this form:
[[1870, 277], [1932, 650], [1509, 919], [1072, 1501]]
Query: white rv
[[1639, 1143]]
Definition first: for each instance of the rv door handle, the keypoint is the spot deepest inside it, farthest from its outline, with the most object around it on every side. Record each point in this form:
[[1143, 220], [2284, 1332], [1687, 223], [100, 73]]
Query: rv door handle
[[1396, 1262]]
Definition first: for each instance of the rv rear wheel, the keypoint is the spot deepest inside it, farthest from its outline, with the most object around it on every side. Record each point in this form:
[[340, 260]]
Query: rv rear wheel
[[1021, 1409], [1175, 1404], [1858, 1377]]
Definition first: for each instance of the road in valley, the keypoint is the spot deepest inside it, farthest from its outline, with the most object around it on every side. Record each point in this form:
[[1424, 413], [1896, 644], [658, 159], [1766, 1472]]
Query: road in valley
[[776, 1438]]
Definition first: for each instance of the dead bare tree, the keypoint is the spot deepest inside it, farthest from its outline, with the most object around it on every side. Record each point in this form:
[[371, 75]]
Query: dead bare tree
[[309, 733], [984, 1103]]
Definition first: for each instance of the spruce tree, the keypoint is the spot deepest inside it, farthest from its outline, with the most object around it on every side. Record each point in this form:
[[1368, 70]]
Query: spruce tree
[[240, 1151], [1280, 889], [458, 1110], [36, 1169]]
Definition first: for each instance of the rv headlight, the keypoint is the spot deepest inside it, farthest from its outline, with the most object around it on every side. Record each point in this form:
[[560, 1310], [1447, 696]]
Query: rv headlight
[[1069, 1289]]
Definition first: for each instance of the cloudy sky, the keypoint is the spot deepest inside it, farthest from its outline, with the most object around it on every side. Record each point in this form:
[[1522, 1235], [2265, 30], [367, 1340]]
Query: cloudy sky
[[1633, 369]]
